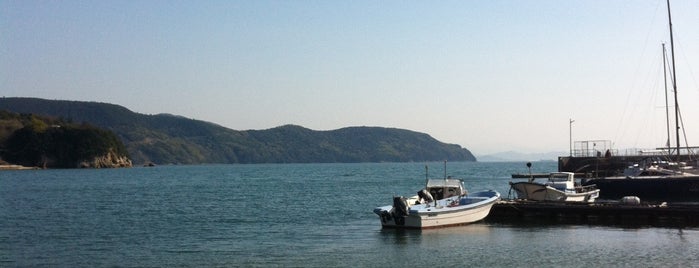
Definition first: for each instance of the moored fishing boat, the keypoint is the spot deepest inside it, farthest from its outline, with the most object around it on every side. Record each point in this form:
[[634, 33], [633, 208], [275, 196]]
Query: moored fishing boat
[[560, 186], [443, 202], [451, 211]]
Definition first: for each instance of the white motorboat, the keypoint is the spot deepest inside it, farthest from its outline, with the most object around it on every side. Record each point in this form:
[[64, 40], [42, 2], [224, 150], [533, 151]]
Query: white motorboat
[[560, 186], [443, 202]]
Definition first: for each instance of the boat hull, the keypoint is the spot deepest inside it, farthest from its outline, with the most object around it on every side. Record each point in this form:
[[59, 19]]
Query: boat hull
[[540, 192], [470, 209], [652, 188]]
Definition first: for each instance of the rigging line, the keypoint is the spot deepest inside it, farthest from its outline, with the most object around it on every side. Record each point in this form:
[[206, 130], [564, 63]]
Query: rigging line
[[641, 115], [684, 133], [632, 89], [646, 117], [679, 113], [637, 97], [670, 71], [686, 62], [672, 81]]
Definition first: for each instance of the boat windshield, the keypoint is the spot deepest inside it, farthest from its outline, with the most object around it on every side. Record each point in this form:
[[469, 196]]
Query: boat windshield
[[559, 177], [444, 188], [444, 183]]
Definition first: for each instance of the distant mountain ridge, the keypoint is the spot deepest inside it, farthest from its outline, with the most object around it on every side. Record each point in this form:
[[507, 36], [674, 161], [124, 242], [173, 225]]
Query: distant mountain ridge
[[172, 139]]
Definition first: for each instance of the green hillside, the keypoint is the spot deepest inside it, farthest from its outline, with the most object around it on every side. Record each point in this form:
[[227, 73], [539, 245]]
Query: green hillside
[[32, 140], [169, 139]]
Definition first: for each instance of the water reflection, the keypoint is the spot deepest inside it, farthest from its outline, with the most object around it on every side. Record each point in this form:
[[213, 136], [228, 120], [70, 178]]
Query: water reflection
[[400, 236], [417, 236]]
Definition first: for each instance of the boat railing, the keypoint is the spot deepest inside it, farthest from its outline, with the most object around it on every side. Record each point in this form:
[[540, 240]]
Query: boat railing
[[593, 152], [586, 188], [603, 148]]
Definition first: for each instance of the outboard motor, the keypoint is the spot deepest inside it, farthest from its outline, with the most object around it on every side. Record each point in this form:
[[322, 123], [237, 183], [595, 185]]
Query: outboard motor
[[400, 210], [425, 195], [386, 216]]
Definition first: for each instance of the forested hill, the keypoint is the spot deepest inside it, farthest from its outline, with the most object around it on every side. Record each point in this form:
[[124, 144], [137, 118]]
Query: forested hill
[[169, 139], [38, 141]]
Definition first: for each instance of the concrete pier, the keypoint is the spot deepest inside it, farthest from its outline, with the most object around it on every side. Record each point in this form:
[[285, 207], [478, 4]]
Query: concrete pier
[[605, 166], [606, 213]]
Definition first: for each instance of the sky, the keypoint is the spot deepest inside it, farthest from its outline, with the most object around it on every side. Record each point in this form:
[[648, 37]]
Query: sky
[[491, 76]]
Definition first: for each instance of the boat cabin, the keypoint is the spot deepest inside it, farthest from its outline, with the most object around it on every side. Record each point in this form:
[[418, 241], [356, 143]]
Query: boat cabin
[[562, 181], [445, 188]]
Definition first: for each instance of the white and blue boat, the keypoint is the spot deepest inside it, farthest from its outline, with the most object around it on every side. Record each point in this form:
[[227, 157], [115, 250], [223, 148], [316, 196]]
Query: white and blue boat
[[443, 202]]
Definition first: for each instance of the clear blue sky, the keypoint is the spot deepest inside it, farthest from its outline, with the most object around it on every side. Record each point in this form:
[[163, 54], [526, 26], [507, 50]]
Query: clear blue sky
[[491, 76]]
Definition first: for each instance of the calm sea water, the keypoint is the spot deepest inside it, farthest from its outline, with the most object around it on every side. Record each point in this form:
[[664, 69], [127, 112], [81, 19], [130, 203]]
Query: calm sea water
[[290, 215]]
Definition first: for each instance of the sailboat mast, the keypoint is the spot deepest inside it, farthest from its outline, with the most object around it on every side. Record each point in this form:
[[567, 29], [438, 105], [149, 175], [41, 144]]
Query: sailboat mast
[[667, 105], [674, 82]]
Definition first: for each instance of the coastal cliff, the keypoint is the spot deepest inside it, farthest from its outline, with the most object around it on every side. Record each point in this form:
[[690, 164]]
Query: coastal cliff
[[36, 141]]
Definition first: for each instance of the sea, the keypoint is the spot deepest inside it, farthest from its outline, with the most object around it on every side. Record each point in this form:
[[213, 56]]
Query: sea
[[293, 215]]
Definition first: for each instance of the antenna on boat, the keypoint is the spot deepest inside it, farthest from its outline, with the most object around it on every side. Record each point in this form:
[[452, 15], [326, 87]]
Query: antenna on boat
[[427, 175], [529, 166], [445, 169]]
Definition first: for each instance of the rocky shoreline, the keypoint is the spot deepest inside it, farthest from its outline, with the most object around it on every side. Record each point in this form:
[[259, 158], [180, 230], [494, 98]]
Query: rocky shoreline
[[16, 167], [109, 160]]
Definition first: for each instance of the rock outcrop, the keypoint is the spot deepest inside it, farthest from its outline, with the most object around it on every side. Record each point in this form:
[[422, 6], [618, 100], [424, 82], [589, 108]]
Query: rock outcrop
[[110, 160]]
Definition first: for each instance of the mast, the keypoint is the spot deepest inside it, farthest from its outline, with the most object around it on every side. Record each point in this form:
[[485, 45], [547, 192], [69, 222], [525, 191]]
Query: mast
[[667, 106], [674, 82]]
